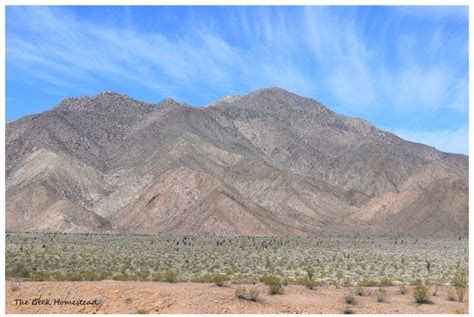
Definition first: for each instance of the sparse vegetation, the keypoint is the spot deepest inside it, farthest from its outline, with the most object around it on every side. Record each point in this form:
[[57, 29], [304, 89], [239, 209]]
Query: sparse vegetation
[[171, 276], [274, 283], [381, 295], [14, 287], [364, 262], [142, 311], [359, 291], [348, 310], [402, 289], [220, 279], [243, 293], [452, 295], [460, 284], [349, 299], [421, 294]]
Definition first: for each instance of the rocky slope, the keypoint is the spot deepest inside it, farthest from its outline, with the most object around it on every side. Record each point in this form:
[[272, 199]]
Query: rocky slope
[[269, 163]]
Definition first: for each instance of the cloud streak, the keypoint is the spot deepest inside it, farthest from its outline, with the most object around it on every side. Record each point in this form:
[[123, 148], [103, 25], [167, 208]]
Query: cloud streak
[[354, 64]]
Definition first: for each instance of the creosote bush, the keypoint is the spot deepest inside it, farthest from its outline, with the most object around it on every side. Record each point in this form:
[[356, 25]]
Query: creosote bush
[[460, 284], [359, 291], [421, 294], [274, 282], [349, 299], [220, 279], [402, 289], [171, 276], [243, 293], [381, 295], [348, 310]]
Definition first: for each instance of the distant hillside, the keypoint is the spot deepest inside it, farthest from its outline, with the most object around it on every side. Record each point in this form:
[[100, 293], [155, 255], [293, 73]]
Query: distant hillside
[[269, 163]]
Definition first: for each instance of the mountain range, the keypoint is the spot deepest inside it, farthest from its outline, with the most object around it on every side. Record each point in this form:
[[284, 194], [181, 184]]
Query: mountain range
[[267, 163]]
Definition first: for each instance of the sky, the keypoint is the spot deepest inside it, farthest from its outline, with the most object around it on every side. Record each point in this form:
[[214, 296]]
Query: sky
[[404, 69]]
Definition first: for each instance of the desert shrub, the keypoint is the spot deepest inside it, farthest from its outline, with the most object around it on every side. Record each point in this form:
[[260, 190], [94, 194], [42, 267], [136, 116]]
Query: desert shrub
[[39, 276], [156, 277], [421, 294], [119, 277], [402, 289], [381, 295], [359, 291], [306, 281], [243, 280], [452, 295], [59, 277], [90, 275], [243, 293], [254, 293], [349, 299], [348, 310], [142, 311], [417, 282], [367, 283], [460, 284], [171, 276], [220, 279], [458, 312], [14, 287], [347, 282], [385, 282], [274, 283], [18, 270]]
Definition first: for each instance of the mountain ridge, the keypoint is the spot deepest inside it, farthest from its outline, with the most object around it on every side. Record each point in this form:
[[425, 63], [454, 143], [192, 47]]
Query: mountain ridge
[[312, 169]]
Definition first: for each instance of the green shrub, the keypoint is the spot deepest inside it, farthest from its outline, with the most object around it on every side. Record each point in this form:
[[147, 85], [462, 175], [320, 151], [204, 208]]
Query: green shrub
[[460, 284], [220, 279], [171, 276], [243, 293], [156, 277], [385, 282], [142, 311], [14, 287], [417, 282], [347, 282], [367, 283], [39, 276], [421, 294], [458, 312], [254, 293], [274, 283], [59, 277], [19, 270], [119, 277]]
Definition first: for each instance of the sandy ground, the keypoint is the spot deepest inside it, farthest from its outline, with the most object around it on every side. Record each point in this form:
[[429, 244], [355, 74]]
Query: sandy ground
[[151, 297]]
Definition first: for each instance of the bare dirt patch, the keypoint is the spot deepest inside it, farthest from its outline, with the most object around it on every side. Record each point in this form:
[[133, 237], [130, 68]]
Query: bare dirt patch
[[154, 297]]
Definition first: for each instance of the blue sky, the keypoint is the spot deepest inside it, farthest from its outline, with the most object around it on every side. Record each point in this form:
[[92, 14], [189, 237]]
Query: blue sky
[[405, 69]]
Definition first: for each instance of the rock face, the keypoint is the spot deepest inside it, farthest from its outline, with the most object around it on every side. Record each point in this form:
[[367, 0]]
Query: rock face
[[269, 163]]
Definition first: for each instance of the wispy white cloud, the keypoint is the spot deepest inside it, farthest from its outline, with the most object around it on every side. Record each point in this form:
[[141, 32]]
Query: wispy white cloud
[[313, 51]]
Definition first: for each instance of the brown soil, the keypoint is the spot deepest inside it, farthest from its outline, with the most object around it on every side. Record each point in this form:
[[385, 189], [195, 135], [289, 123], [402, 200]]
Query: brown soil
[[130, 297]]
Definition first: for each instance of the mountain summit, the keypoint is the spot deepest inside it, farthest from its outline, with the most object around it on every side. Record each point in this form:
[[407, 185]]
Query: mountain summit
[[268, 163]]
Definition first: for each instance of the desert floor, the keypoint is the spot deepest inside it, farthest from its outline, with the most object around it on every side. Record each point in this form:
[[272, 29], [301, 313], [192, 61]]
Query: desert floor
[[157, 297]]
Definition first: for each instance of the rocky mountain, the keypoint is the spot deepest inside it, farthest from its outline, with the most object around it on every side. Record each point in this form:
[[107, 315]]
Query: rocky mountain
[[268, 163]]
